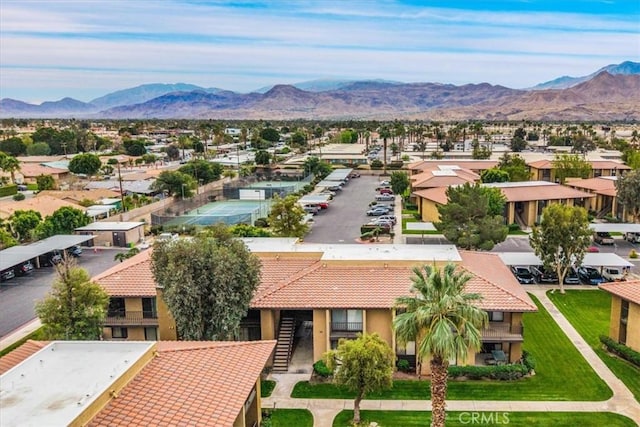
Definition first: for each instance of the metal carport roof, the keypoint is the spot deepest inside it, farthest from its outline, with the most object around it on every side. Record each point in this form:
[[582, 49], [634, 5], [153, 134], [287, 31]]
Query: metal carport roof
[[591, 259], [611, 227], [15, 255]]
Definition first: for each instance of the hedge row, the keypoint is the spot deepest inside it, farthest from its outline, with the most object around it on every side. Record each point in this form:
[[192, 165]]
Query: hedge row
[[495, 372], [621, 350], [8, 190]]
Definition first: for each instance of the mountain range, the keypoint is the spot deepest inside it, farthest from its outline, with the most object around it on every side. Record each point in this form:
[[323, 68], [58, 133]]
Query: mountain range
[[611, 93]]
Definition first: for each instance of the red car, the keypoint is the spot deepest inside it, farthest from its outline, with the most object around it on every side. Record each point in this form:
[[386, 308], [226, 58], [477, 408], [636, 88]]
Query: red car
[[386, 191]]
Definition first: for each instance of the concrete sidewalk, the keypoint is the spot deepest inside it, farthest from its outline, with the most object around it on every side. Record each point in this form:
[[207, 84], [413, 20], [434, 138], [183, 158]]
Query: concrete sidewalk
[[325, 410], [19, 333]]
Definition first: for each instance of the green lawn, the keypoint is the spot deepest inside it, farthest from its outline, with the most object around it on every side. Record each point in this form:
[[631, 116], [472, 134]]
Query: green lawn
[[589, 312], [513, 419], [266, 387], [288, 418], [562, 374]]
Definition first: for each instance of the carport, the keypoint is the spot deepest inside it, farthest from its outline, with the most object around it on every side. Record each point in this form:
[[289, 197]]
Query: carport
[[17, 255], [590, 259], [611, 227]]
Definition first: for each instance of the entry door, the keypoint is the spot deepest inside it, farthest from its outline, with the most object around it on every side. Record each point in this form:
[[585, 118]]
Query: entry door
[[118, 239]]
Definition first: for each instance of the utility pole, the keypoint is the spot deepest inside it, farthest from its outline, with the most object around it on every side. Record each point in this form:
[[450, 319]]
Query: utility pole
[[121, 192]]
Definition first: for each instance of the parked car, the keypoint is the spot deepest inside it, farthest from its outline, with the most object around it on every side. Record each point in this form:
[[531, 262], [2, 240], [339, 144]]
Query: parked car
[[386, 191], [391, 218], [613, 274], [571, 278], [603, 238], [354, 175], [167, 236], [377, 211], [335, 188], [75, 250], [523, 275], [593, 249], [7, 275], [590, 275], [543, 275], [312, 209], [55, 259], [632, 237], [385, 197], [383, 183], [387, 223], [23, 269]]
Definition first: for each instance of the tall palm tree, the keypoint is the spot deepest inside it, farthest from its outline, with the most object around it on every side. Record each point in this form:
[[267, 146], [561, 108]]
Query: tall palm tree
[[445, 320], [9, 164]]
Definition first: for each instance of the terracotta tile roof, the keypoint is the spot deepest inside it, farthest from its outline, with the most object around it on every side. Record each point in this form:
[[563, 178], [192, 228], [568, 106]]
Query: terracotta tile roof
[[437, 195], [431, 179], [190, 383], [46, 205], [595, 164], [629, 290], [131, 278], [274, 270], [344, 286], [21, 353], [30, 170], [598, 185], [538, 190], [80, 195]]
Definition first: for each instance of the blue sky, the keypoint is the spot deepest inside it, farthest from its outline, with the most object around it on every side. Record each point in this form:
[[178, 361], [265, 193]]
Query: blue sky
[[85, 49]]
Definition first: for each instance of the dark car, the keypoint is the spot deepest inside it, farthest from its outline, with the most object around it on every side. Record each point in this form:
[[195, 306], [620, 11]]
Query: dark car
[[75, 251], [571, 278], [590, 275], [523, 275], [24, 269], [544, 275], [603, 238], [7, 275]]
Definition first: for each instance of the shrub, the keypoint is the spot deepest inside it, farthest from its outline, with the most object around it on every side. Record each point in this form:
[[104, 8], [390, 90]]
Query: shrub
[[403, 365], [410, 207], [621, 350], [321, 369], [633, 254], [8, 190], [514, 227], [376, 164], [498, 372], [261, 222], [19, 196]]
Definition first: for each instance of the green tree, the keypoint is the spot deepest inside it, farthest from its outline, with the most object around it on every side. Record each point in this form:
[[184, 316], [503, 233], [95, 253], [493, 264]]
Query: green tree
[[6, 239], [38, 149], [23, 223], [63, 221], [9, 164], [202, 170], [76, 308], [207, 283], [365, 366], [298, 139], [472, 217], [313, 165], [175, 184], [45, 182], [494, 175], [263, 158], [135, 148], [632, 158], [286, 217], [444, 320], [480, 153], [518, 144], [246, 230], [399, 182], [173, 152], [87, 163], [570, 165], [562, 238], [628, 187], [13, 146], [270, 134], [515, 166]]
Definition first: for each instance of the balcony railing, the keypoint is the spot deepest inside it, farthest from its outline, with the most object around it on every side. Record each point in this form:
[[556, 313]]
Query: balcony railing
[[346, 326], [503, 332], [120, 317]]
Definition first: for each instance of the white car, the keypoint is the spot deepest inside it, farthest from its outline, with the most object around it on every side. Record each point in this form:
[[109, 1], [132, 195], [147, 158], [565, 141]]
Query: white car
[[613, 274], [632, 237]]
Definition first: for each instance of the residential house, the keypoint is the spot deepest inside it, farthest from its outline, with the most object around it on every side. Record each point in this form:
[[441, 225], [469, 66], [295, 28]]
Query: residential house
[[79, 196], [476, 166], [442, 176], [30, 171], [624, 326], [100, 383], [118, 233], [46, 205], [542, 170], [605, 202]]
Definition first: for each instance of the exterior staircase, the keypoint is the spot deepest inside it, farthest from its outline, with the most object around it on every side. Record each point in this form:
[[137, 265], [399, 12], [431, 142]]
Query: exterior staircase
[[284, 346]]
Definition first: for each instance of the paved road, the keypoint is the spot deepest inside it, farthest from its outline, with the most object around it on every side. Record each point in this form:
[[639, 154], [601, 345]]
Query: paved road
[[18, 295], [347, 212]]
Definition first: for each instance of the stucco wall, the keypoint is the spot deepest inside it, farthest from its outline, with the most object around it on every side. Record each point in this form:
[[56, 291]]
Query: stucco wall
[[379, 321], [320, 334]]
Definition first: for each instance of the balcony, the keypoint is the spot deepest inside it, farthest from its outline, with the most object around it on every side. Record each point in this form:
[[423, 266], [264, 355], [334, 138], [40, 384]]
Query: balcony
[[131, 318], [502, 332], [345, 329]]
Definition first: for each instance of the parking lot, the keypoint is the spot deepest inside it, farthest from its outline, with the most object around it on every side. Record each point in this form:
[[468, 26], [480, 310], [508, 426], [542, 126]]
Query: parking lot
[[347, 212], [18, 295]]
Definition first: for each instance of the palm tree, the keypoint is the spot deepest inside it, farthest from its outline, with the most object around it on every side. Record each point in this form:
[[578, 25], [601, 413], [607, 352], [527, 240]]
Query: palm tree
[[9, 164], [447, 322]]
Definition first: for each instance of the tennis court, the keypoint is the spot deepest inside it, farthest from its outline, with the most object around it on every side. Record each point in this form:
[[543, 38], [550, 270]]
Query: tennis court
[[229, 212]]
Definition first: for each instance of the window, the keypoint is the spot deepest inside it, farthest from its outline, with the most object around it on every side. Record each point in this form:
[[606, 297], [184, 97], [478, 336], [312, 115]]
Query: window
[[149, 308], [496, 316], [117, 332], [624, 317], [151, 333], [116, 307], [346, 320], [408, 349]]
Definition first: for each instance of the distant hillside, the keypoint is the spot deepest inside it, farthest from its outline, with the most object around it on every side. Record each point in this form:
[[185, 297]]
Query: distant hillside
[[143, 93], [62, 108], [325, 85], [565, 82]]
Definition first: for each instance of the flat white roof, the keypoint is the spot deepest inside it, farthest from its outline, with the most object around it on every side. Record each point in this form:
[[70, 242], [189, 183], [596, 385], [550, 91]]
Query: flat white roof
[[108, 226], [18, 254], [55, 385], [591, 259], [520, 184], [444, 172], [612, 227]]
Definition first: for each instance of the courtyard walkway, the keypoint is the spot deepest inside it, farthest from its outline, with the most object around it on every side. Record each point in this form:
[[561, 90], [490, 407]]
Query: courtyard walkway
[[325, 410]]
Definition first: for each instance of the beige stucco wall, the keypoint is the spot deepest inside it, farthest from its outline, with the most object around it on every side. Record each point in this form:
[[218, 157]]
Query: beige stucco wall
[[428, 210], [633, 327], [320, 334], [267, 324], [166, 324], [379, 322]]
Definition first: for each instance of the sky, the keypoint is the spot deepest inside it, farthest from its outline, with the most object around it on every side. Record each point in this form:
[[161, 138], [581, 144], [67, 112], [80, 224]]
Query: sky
[[87, 48]]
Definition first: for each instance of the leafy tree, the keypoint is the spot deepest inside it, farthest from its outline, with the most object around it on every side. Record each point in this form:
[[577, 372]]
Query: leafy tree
[[494, 175], [45, 182], [76, 307], [270, 134], [246, 230], [570, 165], [562, 238], [202, 170], [632, 158], [13, 146], [39, 149], [9, 164], [313, 165], [135, 148], [23, 223], [399, 182], [175, 183], [298, 139], [63, 221], [628, 187], [286, 217], [444, 320], [6, 239], [263, 157], [173, 152], [480, 153], [472, 217], [149, 158], [520, 133], [87, 163], [365, 366], [207, 282], [518, 144], [515, 166]]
